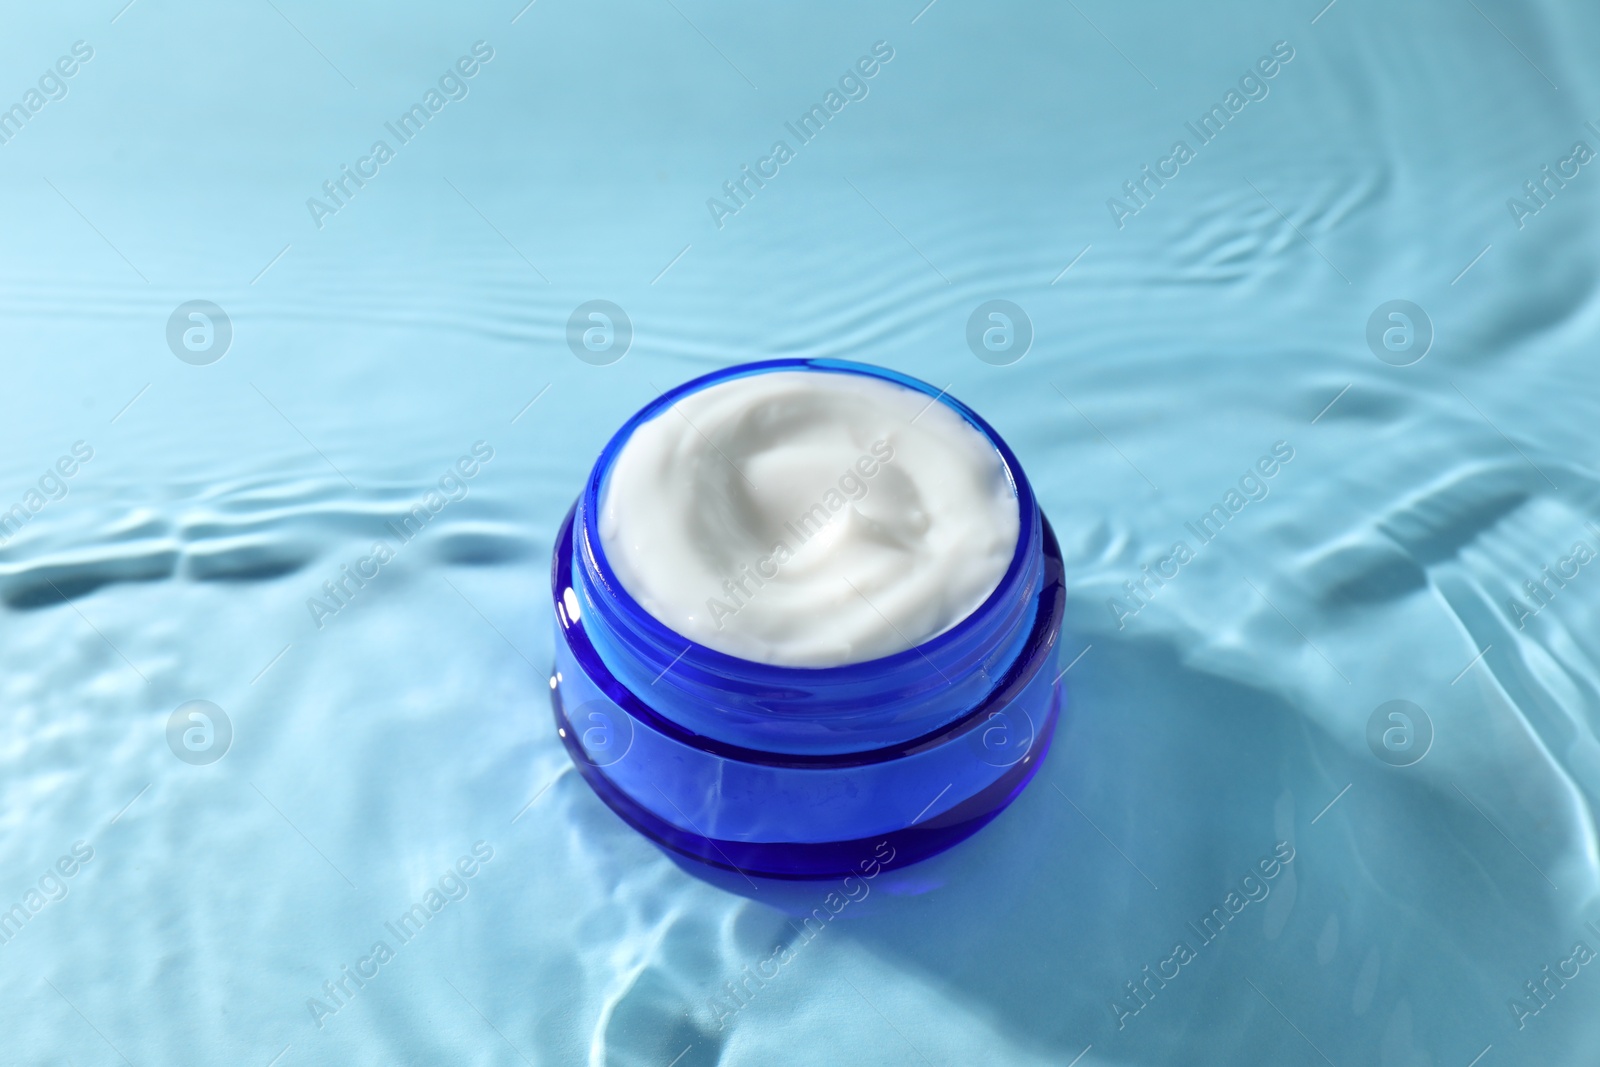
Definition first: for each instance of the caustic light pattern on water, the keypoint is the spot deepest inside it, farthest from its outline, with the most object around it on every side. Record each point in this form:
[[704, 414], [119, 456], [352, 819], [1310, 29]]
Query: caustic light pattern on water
[[274, 662]]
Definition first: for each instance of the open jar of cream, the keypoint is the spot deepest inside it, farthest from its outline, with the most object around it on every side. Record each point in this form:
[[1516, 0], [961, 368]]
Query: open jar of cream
[[804, 608]]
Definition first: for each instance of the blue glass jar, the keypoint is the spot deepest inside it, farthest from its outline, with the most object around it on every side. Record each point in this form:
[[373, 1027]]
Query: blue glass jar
[[801, 772]]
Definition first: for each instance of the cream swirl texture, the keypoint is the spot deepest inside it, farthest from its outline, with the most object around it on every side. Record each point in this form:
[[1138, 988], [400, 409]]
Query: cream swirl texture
[[808, 518]]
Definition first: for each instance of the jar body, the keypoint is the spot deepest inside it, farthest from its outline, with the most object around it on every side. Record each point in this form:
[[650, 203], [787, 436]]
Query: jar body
[[802, 772]]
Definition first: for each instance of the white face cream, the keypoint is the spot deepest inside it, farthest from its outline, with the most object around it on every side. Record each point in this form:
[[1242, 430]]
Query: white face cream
[[808, 519]]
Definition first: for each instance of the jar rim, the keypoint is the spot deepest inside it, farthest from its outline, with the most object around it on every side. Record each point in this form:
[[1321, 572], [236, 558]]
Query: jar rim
[[779, 674], [1037, 646]]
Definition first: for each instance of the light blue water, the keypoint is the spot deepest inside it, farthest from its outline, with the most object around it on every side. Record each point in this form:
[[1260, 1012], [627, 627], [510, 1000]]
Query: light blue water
[[1229, 714]]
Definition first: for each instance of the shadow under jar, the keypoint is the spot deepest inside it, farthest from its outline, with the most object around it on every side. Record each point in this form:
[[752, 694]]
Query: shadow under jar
[[801, 772]]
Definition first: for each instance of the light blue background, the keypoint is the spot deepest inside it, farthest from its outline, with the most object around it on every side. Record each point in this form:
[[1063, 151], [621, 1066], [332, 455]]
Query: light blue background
[[1223, 718]]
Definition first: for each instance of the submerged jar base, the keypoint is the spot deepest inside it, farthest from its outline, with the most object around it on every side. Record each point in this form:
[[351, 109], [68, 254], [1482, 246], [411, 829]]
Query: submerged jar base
[[795, 860]]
